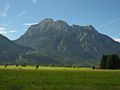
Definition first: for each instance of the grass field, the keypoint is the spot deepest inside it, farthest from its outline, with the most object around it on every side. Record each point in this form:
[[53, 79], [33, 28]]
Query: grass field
[[58, 78]]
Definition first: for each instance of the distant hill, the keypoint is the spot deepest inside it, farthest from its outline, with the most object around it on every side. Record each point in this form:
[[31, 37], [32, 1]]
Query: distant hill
[[65, 44], [9, 51]]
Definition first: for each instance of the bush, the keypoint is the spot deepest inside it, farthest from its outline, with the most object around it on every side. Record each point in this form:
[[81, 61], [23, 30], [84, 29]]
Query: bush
[[37, 66], [5, 65], [93, 67], [16, 65], [24, 65]]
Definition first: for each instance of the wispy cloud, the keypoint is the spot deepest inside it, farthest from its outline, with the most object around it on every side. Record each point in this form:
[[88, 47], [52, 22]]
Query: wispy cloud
[[3, 30], [109, 23], [21, 14], [12, 31], [29, 24], [6, 30], [4, 11], [34, 1]]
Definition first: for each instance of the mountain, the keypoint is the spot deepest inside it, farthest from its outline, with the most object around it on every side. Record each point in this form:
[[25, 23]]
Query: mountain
[[70, 44], [9, 51]]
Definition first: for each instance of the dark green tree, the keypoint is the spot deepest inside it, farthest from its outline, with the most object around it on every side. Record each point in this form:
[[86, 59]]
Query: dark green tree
[[5, 65], [115, 61], [110, 62], [103, 63], [37, 66]]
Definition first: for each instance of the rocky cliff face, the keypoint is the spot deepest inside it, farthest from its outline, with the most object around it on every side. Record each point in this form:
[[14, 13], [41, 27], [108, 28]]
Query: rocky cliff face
[[76, 43]]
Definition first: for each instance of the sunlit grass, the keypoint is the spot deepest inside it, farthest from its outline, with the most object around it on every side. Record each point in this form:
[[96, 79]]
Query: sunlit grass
[[42, 67], [58, 78]]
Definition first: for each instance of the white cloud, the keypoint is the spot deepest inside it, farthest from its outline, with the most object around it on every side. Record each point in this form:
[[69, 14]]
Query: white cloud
[[4, 12], [118, 40], [34, 1], [21, 13], [109, 23], [12, 31], [3, 30], [29, 24]]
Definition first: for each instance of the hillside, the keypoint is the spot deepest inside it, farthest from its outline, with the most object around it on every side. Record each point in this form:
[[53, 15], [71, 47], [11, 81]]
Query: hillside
[[9, 51]]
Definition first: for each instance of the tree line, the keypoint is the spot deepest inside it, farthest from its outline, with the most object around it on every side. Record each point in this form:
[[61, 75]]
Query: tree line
[[110, 62]]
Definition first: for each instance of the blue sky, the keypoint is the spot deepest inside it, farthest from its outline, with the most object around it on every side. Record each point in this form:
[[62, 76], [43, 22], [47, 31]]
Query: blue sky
[[17, 15]]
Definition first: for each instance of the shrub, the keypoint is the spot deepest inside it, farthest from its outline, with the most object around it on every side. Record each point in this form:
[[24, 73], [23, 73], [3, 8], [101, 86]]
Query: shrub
[[37, 66]]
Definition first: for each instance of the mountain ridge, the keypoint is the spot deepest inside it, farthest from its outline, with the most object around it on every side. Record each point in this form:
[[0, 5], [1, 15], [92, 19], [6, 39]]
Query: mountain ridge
[[9, 51], [77, 44]]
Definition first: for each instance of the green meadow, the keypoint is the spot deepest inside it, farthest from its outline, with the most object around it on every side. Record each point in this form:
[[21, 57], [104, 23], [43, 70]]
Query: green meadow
[[58, 78]]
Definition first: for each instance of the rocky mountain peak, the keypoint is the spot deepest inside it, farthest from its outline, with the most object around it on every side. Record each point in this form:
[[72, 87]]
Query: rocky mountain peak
[[62, 23], [90, 27], [46, 20]]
